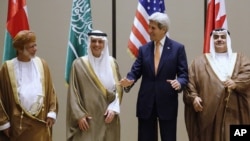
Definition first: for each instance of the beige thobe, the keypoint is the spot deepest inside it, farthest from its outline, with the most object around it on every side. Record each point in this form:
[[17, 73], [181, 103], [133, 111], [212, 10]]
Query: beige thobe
[[88, 97], [23, 125]]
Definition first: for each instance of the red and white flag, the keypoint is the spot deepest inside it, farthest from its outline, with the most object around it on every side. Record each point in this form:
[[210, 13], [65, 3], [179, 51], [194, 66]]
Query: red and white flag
[[17, 20], [139, 34], [215, 18]]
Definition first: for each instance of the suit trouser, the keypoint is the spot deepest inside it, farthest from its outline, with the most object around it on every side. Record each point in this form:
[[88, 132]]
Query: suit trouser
[[148, 129]]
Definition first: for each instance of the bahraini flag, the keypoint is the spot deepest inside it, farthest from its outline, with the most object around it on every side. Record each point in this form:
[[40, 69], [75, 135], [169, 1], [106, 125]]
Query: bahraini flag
[[215, 18]]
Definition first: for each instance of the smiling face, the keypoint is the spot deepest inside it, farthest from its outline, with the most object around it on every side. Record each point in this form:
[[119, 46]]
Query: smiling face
[[97, 46], [220, 42], [156, 33]]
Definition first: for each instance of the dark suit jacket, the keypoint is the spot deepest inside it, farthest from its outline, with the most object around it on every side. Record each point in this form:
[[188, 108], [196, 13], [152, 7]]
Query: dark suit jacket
[[154, 90]]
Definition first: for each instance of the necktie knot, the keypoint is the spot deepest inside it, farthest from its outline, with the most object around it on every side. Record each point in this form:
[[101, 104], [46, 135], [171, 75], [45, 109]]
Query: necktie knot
[[158, 44]]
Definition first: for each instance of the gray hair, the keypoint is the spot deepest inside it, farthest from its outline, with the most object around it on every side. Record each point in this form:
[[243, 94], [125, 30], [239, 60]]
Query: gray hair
[[161, 18]]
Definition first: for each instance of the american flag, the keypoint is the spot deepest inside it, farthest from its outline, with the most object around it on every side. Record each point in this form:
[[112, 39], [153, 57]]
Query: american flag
[[215, 18], [139, 34]]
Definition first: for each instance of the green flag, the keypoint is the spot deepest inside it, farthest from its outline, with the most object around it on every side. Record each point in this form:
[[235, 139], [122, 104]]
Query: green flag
[[80, 26]]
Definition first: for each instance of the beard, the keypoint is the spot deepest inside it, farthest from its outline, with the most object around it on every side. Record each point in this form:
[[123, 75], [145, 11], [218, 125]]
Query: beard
[[26, 53]]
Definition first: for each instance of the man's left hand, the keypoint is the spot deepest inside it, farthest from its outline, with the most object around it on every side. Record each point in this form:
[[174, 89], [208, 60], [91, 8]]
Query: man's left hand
[[109, 116], [229, 83], [50, 122], [175, 84]]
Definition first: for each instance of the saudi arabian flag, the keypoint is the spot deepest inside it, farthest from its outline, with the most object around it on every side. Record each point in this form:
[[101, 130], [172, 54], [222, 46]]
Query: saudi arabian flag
[[17, 20], [80, 26]]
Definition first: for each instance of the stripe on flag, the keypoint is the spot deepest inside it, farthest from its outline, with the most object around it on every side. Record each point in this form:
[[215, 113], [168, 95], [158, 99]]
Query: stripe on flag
[[17, 20], [139, 33], [215, 18], [80, 26]]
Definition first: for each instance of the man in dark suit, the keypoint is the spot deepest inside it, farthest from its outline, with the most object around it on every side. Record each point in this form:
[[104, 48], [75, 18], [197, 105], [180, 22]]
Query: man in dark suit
[[162, 64]]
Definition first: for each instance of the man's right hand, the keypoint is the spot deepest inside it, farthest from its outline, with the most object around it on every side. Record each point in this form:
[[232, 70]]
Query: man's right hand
[[83, 123], [197, 104], [124, 82], [7, 132]]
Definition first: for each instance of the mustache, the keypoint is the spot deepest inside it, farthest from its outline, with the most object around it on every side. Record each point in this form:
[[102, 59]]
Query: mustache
[[219, 42]]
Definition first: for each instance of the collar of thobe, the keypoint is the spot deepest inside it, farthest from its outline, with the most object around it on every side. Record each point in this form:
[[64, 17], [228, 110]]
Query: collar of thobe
[[223, 66], [12, 75]]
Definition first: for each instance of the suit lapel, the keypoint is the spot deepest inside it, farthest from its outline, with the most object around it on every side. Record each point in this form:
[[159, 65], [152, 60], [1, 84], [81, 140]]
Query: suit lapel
[[151, 55]]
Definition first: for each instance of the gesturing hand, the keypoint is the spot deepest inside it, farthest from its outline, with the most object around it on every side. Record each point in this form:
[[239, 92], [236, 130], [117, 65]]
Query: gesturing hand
[[175, 84], [124, 82]]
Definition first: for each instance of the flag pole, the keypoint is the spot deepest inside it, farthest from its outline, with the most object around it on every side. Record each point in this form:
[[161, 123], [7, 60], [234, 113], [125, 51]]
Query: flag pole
[[114, 28]]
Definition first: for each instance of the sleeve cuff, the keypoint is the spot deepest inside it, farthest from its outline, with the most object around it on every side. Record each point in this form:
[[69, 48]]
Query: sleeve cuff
[[52, 115], [5, 126], [115, 105]]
